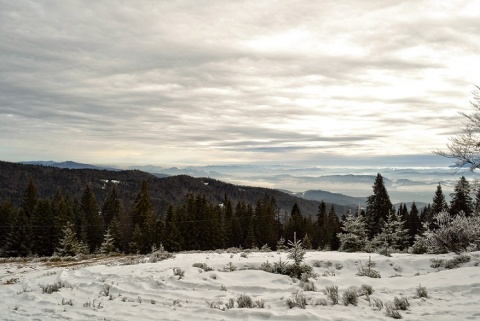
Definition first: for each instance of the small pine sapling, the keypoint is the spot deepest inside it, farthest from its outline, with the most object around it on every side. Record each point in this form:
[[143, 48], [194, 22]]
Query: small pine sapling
[[296, 253]]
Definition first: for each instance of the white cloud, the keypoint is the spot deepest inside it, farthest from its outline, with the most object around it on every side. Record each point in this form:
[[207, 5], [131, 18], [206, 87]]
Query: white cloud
[[220, 82]]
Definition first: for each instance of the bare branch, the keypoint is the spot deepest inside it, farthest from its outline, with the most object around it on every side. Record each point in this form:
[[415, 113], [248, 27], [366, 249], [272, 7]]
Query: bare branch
[[464, 148]]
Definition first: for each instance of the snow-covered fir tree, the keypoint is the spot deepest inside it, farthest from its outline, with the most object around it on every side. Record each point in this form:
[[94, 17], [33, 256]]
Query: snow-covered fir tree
[[83, 248], [354, 234], [393, 236], [68, 244], [439, 204], [307, 242], [108, 244], [378, 207], [137, 238], [461, 198], [297, 252], [281, 244]]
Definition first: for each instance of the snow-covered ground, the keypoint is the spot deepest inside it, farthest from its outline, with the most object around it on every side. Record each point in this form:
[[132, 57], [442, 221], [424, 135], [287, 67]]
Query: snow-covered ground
[[108, 289]]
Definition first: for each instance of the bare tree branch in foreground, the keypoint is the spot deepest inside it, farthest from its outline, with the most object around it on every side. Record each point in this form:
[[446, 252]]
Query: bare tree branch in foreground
[[464, 148]]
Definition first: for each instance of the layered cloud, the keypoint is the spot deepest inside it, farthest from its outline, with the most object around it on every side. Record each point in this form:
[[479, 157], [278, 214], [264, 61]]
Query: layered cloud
[[239, 81]]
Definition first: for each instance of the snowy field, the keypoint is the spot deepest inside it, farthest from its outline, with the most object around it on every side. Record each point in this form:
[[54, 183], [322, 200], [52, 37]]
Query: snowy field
[[120, 288]]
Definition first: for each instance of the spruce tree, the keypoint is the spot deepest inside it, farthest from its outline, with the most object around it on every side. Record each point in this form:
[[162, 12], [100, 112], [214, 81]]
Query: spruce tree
[[173, 241], [266, 212], [43, 229], [236, 235], [144, 216], [111, 207], [413, 223], [399, 233], [461, 198], [29, 200], [221, 237], [79, 221], [108, 244], [251, 236], [213, 236], [320, 237], [205, 223], [295, 224], [18, 239], [233, 230], [333, 228], [403, 211], [190, 214], [62, 213], [159, 233], [426, 215], [307, 242], [117, 230], [296, 253], [243, 219], [137, 240], [68, 243], [228, 209], [321, 213], [309, 233], [393, 235], [281, 244], [438, 204], [378, 207], [93, 227], [251, 240], [354, 234], [7, 214]]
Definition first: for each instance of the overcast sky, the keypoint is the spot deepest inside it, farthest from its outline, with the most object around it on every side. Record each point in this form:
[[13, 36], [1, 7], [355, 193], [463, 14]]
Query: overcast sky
[[227, 82]]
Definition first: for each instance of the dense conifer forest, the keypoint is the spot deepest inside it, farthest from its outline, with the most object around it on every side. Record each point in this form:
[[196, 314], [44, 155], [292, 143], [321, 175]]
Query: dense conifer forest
[[135, 212]]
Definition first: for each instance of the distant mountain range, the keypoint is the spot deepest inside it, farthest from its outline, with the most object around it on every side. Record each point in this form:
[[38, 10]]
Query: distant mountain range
[[14, 179], [67, 164], [404, 185], [342, 202], [336, 198], [345, 200]]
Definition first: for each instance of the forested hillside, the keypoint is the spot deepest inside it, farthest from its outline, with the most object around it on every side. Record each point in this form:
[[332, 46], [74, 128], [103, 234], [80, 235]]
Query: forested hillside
[[46, 210], [14, 179]]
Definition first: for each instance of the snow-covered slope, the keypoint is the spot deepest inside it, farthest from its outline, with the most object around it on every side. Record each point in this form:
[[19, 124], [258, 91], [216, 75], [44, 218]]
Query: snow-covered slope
[[111, 289]]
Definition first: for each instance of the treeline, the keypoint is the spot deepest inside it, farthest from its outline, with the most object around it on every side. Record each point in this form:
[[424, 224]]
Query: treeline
[[59, 224], [381, 228], [44, 226]]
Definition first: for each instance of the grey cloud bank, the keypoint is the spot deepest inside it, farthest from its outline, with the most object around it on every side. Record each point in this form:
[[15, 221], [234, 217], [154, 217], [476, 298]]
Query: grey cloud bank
[[216, 82]]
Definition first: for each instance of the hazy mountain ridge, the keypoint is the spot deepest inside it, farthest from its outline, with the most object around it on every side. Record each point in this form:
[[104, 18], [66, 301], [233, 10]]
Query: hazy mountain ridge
[[14, 179], [404, 185], [68, 165], [345, 200], [337, 198]]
